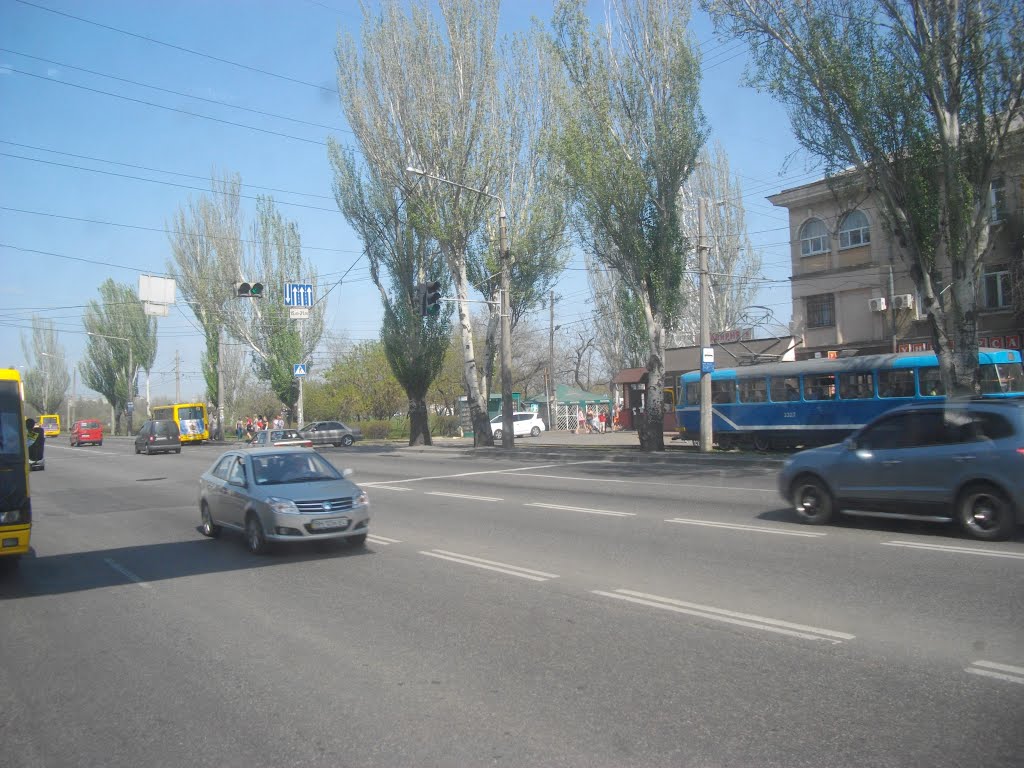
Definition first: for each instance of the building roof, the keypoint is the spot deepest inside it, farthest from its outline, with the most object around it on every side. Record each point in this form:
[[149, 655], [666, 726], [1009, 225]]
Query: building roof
[[630, 376]]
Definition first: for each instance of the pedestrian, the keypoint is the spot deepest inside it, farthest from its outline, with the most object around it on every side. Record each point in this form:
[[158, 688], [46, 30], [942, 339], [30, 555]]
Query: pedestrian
[[582, 422], [239, 429], [602, 419], [591, 426]]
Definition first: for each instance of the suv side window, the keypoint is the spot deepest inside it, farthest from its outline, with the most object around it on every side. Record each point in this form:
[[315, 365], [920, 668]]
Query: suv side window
[[979, 426], [914, 429]]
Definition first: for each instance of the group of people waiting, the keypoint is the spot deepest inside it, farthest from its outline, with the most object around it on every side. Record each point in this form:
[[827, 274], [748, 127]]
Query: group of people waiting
[[246, 430], [591, 423]]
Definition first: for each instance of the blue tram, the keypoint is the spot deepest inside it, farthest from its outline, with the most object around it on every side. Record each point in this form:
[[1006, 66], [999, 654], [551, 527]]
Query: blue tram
[[813, 402]]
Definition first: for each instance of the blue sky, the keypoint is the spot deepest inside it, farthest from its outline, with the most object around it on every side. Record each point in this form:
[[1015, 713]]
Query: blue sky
[[42, 116]]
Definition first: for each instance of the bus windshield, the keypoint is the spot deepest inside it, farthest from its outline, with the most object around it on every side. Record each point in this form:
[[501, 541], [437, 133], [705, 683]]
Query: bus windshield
[[12, 431]]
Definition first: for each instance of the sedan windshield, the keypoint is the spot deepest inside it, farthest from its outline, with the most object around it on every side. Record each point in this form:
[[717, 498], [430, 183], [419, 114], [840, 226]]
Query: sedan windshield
[[281, 468]]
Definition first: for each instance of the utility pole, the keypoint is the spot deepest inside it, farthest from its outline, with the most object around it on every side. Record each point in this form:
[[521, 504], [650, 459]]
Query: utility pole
[[220, 383], [177, 377], [705, 332], [551, 361], [892, 306], [74, 394], [507, 423]]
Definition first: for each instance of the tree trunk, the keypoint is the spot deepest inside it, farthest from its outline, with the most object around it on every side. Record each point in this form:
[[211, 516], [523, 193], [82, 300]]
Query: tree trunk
[[419, 422], [477, 406], [651, 429], [491, 346]]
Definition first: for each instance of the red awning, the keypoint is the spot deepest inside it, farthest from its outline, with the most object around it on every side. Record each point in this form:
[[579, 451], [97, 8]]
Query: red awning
[[631, 376]]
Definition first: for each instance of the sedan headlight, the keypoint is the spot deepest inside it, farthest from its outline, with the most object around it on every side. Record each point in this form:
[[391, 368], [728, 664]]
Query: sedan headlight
[[282, 506], [362, 499]]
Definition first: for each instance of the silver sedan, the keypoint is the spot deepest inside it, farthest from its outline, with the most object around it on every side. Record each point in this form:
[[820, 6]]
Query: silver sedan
[[281, 494]]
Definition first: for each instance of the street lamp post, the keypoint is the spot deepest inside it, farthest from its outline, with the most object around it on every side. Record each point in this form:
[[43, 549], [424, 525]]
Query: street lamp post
[[507, 425]]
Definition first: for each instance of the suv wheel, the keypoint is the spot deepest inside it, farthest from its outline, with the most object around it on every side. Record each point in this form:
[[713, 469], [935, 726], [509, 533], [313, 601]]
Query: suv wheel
[[985, 513], [812, 501], [254, 538]]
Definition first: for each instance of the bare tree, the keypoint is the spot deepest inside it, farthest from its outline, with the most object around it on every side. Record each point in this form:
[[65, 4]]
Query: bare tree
[[733, 263], [47, 380], [204, 237], [634, 128], [920, 98]]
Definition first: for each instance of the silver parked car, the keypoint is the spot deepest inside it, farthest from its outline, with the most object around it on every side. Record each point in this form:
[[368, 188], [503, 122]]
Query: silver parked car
[[953, 460], [281, 494], [330, 433]]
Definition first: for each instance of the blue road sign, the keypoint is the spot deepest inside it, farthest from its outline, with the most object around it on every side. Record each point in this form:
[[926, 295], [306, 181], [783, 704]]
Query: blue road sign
[[299, 369], [298, 294]]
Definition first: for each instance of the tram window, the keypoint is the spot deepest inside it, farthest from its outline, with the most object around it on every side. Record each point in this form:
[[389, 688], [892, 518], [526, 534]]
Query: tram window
[[820, 386], [896, 383], [1001, 377], [785, 389], [670, 396], [930, 381], [693, 393], [753, 390], [723, 391], [856, 386]]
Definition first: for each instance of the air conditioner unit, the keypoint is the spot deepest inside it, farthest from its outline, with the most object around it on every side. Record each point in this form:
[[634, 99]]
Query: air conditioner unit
[[903, 301], [877, 305]]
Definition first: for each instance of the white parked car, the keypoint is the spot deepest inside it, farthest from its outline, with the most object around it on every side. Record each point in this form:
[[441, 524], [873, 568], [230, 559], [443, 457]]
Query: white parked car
[[524, 424]]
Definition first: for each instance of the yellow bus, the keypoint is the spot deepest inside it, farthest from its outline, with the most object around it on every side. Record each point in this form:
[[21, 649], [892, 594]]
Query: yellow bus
[[50, 423], [15, 498], [190, 417]]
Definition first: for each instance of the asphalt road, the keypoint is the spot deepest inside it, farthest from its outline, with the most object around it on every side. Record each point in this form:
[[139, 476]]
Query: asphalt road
[[548, 607]]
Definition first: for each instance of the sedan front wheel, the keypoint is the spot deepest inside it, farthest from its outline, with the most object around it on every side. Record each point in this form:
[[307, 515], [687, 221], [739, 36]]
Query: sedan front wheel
[[497, 434], [254, 538]]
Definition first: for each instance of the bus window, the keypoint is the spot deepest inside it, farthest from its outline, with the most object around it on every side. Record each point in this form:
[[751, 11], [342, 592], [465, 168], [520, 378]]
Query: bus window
[[896, 383], [930, 381], [723, 391], [856, 386], [693, 393], [820, 386], [785, 389], [753, 390]]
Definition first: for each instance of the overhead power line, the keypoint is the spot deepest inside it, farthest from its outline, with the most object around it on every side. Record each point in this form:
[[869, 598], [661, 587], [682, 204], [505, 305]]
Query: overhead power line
[[175, 93], [181, 48]]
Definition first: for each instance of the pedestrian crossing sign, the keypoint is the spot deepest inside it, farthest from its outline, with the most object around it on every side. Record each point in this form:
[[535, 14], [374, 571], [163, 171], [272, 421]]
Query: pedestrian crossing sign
[[299, 369]]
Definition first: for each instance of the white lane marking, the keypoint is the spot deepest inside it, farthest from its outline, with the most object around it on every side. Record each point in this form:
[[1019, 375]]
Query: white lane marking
[[729, 617], [90, 450], [126, 573], [954, 549], [462, 496], [610, 513], [644, 482], [384, 487], [381, 539], [495, 471], [742, 527], [491, 565], [1006, 672]]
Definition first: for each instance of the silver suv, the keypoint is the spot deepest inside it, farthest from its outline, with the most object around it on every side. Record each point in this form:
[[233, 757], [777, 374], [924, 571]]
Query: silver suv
[[957, 461]]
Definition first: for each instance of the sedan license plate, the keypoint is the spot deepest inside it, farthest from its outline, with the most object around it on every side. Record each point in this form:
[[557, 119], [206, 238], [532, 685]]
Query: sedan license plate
[[329, 524]]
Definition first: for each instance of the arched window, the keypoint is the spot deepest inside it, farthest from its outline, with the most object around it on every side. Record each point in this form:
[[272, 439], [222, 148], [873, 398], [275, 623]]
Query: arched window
[[813, 238], [854, 230]]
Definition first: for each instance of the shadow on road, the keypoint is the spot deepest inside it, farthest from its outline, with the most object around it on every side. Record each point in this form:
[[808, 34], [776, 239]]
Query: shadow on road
[[38, 575]]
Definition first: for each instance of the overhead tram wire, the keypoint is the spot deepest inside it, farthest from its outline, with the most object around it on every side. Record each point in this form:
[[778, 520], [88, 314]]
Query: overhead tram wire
[[180, 48]]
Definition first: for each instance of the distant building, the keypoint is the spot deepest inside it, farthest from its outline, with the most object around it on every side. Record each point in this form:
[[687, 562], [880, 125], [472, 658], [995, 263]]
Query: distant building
[[844, 261]]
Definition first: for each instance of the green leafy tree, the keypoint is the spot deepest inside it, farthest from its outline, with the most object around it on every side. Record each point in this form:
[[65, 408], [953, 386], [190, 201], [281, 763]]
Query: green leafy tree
[[47, 380], [122, 339], [277, 342], [634, 129], [914, 101]]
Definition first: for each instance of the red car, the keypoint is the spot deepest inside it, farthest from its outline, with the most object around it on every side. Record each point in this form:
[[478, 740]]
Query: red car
[[86, 431]]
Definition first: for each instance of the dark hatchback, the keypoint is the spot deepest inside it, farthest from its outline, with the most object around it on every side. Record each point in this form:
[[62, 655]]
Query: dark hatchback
[[158, 436]]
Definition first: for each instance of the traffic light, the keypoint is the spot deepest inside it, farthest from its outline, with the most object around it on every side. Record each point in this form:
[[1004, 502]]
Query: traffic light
[[249, 290], [432, 299]]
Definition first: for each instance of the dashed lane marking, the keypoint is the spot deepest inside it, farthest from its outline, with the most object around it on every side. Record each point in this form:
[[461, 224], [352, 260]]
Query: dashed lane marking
[[742, 527], [608, 512], [491, 565]]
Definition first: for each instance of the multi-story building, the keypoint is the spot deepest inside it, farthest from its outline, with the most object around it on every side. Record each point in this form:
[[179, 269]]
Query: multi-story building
[[851, 287]]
